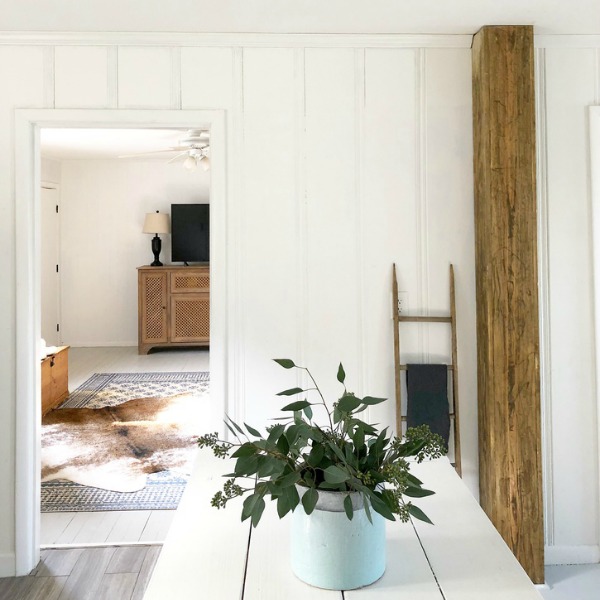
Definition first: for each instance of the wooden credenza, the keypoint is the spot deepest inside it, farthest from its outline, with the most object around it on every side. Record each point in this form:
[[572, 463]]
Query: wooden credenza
[[173, 307]]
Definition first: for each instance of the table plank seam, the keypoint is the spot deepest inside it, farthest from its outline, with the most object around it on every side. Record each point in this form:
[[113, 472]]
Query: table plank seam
[[246, 562], [428, 561]]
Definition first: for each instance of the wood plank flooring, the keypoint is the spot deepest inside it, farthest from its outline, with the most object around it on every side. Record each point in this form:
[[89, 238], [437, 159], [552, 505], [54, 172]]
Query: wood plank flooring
[[112, 573], [117, 527]]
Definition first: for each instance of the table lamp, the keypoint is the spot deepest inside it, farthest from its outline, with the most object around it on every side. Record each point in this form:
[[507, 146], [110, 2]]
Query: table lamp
[[156, 223]]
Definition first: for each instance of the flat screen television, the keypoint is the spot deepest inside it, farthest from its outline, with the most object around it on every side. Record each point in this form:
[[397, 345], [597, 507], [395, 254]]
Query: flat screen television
[[190, 239]]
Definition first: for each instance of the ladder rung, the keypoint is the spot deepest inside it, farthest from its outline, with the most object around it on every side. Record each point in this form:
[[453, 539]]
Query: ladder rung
[[425, 319], [403, 367]]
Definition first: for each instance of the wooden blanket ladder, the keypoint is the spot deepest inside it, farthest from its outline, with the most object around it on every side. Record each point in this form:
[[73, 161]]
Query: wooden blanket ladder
[[452, 368]]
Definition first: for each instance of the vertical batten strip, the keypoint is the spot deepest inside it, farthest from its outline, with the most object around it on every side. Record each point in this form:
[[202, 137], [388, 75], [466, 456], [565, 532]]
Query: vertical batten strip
[[49, 77], [359, 168], [112, 77], [237, 339], [544, 297], [301, 216], [176, 78], [421, 198]]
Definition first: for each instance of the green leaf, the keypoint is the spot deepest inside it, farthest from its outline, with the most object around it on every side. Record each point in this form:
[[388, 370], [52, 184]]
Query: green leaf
[[359, 437], [336, 450], [246, 465], [249, 505], [370, 401], [289, 479], [299, 405], [286, 363], [257, 511], [268, 465], [348, 507], [283, 506], [367, 509], [230, 429], [309, 500], [417, 492], [381, 507], [334, 474], [247, 449], [416, 512], [283, 445], [316, 455], [348, 403], [341, 375], [253, 431], [291, 392], [275, 432], [414, 480], [235, 424], [308, 411]]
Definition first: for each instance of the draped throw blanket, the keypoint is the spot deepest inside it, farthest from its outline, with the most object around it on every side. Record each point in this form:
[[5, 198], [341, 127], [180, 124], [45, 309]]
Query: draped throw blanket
[[427, 388]]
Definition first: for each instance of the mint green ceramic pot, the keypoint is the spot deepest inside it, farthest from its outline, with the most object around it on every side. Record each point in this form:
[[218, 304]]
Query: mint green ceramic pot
[[330, 551]]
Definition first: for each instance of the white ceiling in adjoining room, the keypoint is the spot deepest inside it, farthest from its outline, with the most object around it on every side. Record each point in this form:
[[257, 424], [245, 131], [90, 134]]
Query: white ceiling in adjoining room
[[80, 143]]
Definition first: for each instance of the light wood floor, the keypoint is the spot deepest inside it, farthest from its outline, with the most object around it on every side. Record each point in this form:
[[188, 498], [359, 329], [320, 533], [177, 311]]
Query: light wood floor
[[86, 573], [116, 527]]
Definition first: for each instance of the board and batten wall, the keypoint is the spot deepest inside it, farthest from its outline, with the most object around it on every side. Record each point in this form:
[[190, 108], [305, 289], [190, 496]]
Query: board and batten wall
[[568, 82], [103, 204], [342, 160], [345, 154]]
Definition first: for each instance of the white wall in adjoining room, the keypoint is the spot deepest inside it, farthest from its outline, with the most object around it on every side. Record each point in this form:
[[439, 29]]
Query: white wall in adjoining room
[[104, 203], [50, 171]]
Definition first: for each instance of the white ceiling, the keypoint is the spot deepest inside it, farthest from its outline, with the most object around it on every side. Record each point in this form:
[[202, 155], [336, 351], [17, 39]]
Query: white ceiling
[[65, 144], [300, 16]]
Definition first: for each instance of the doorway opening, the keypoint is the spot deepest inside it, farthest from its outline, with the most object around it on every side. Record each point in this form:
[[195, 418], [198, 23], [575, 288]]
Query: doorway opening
[[74, 298], [101, 350]]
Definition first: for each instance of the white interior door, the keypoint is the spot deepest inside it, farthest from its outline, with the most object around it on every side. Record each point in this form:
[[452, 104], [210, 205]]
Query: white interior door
[[50, 265]]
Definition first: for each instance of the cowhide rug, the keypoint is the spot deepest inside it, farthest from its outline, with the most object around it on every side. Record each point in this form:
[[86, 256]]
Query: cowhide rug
[[115, 447]]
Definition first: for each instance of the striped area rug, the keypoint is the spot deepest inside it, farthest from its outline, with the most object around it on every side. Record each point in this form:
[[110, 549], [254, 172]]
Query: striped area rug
[[163, 490]]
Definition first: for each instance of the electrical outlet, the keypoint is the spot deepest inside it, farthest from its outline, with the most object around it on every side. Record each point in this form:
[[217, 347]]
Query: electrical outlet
[[402, 302]]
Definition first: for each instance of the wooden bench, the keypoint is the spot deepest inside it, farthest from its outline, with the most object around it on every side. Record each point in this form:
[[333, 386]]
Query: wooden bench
[[209, 553]]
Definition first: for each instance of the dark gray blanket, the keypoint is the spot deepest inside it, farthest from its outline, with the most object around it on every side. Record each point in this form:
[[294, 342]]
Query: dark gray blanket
[[427, 387]]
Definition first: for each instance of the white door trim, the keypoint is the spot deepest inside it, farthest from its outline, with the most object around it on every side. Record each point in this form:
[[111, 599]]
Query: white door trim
[[27, 266], [594, 122]]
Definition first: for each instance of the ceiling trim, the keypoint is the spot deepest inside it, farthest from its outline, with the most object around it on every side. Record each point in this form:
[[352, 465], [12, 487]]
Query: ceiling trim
[[248, 40]]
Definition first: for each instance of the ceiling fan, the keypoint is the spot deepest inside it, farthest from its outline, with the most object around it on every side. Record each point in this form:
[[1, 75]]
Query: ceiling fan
[[194, 146]]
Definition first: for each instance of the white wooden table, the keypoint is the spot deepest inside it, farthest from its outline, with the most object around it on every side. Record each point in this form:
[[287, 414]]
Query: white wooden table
[[210, 554]]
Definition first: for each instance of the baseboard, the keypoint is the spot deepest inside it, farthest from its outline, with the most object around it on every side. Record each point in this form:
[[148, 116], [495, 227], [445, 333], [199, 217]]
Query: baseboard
[[571, 555], [8, 565], [103, 344]]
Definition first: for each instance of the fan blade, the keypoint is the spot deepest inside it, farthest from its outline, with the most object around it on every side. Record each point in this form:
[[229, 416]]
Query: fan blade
[[174, 149], [176, 157]]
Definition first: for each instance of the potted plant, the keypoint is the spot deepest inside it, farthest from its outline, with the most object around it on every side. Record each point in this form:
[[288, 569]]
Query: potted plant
[[347, 475]]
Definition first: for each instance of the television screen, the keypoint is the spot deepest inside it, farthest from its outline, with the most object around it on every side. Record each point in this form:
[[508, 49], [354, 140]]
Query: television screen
[[190, 232]]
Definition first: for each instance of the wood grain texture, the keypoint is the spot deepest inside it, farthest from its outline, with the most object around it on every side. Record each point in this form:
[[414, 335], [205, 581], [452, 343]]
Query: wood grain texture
[[506, 286]]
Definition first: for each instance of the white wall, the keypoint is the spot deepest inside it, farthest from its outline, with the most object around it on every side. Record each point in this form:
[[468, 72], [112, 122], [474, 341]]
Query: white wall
[[50, 171], [103, 207], [568, 83], [342, 160]]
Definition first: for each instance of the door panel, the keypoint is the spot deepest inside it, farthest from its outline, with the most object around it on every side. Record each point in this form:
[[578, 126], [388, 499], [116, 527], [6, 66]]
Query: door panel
[[50, 288]]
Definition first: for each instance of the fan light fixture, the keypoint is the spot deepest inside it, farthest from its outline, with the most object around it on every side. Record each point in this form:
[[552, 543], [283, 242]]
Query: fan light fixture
[[194, 147]]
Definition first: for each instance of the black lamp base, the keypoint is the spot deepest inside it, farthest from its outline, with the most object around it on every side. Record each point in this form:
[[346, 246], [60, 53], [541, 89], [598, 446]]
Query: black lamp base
[[156, 246]]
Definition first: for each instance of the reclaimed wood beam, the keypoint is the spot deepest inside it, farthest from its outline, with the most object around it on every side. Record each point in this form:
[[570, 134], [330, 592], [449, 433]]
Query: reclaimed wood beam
[[510, 478]]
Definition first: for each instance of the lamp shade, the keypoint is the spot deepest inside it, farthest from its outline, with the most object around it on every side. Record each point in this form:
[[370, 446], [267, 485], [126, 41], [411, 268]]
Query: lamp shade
[[156, 223]]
